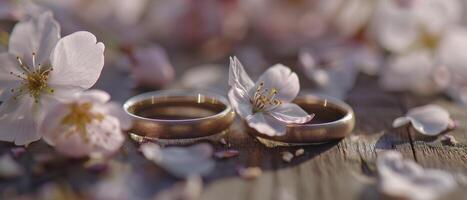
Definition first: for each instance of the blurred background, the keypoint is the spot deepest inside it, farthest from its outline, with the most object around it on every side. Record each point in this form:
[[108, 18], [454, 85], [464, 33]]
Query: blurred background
[[401, 46], [418, 46]]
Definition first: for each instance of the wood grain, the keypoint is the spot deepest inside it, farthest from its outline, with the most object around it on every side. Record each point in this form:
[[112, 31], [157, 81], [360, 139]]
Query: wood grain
[[338, 170]]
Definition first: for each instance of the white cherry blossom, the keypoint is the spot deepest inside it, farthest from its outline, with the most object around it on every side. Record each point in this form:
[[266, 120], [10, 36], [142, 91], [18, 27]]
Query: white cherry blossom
[[400, 25], [86, 124], [41, 67], [266, 105], [427, 44]]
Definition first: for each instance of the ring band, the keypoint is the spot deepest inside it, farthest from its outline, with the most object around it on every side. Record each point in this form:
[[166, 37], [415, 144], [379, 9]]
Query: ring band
[[333, 120], [179, 114]]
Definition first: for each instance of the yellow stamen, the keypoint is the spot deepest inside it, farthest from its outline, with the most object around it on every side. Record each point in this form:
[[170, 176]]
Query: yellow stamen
[[80, 116], [34, 82], [263, 99]]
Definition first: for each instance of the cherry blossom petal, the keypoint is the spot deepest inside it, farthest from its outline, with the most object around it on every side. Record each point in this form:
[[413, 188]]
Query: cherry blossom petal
[[238, 77], [104, 138], [53, 119], [8, 64], [266, 124], [437, 16], [181, 161], [65, 93], [77, 61], [451, 51], [405, 179], [98, 96], [151, 67], [39, 35], [414, 72], [240, 102], [368, 59], [283, 80], [291, 113], [17, 123], [353, 16], [395, 26], [117, 111], [335, 80], [428, 120], [458, 92], [307, 60]]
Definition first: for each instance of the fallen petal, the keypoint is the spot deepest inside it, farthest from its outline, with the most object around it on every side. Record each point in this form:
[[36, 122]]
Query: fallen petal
[[428, 120], [299, 152], [449, 140], [181, 161], [17, 151], [96, 165], [9, 168], [250, 173], [287, 156], [405, 179], [226, 154], [223, 141]]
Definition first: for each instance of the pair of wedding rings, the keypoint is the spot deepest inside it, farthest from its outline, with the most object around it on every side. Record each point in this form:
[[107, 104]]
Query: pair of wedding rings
[[190, 115]]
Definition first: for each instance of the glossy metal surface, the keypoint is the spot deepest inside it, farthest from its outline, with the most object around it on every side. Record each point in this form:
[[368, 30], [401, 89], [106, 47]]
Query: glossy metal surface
[[179, 114], [333, 120]]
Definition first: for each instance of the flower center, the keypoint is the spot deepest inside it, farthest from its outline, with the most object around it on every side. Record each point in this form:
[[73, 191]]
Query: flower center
[[33, 81], [429, 41], [79, 116], [265, 99]]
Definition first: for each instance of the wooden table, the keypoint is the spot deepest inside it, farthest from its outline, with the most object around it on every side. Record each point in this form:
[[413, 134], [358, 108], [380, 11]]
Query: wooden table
[[338, 170]]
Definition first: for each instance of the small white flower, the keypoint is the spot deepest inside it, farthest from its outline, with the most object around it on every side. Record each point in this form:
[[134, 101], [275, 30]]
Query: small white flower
[[266, 106], [86, 124], [428, 120], [181, 161], [40, 67], [405, 179]]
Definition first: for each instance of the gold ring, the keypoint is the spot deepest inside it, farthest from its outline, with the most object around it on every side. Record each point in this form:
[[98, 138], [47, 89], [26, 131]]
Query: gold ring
[[179, 114], [333, 120]]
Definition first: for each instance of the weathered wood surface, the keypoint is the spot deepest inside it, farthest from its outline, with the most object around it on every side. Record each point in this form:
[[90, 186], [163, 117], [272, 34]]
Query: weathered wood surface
[[338, 170]]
